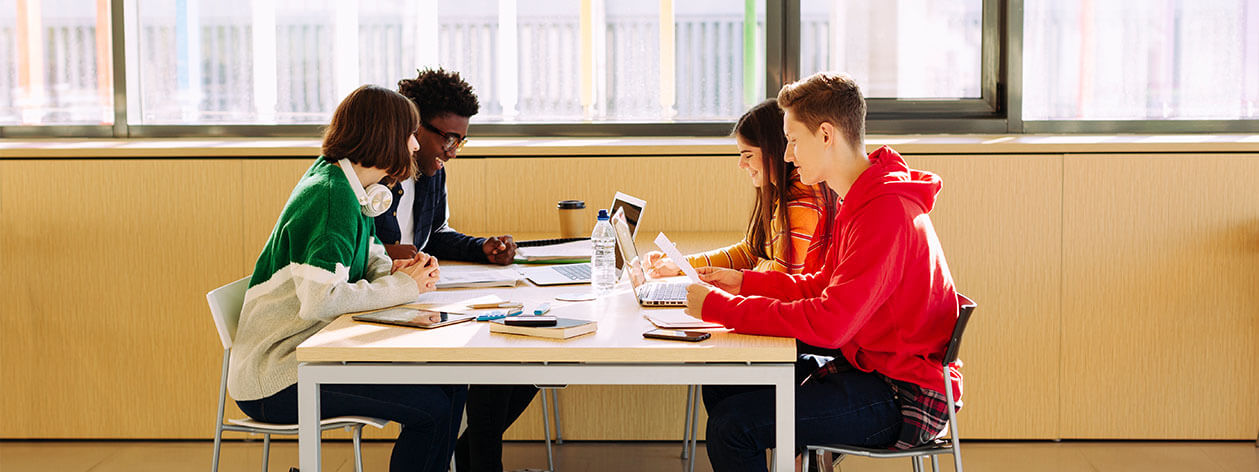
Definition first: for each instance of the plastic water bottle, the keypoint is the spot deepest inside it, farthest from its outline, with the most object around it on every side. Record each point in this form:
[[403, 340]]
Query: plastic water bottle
[[603, 262]]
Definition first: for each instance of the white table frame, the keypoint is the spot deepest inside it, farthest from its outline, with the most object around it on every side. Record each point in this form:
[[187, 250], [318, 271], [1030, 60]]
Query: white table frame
[[311, 375]]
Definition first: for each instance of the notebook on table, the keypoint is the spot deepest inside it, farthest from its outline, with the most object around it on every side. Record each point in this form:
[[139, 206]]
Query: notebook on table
[[564, 328]]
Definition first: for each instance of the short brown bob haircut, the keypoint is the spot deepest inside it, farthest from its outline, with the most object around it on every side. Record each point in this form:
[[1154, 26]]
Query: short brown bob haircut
[[827, 97], [371, 128]]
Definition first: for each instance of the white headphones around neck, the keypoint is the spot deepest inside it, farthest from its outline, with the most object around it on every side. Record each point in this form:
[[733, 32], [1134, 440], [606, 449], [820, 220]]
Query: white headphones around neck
[[374, 200]]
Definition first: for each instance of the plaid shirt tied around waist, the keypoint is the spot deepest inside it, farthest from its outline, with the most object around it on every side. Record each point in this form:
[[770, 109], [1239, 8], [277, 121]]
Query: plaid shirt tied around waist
[[924, 412]]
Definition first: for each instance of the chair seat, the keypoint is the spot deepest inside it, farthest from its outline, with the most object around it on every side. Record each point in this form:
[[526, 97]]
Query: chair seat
[[323, 424], [938, 446]]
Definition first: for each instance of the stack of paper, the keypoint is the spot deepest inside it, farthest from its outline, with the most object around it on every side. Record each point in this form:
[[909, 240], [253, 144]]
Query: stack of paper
[[456, 276], [575, 251]]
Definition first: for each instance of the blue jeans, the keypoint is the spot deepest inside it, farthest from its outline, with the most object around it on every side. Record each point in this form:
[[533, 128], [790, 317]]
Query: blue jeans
[[854, 408], [429, 415]]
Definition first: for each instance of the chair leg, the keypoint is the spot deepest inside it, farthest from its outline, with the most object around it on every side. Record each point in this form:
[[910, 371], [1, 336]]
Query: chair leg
[[266, 451], [546, 426], [694, 407], [218, 443], [773, 460], [917, 461], [358, 448], [804, 459], [555, 408], [686, 424], [935, 463]]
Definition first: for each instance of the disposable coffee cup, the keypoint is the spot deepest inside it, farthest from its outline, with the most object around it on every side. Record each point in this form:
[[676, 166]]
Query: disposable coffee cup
[[572, 219]]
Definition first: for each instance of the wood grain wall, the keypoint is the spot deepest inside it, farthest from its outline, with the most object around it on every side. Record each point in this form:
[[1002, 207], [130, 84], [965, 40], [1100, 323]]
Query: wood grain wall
[[1118, 294]]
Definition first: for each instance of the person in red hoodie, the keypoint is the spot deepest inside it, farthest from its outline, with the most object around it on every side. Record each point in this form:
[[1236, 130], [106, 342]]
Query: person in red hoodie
[[872, 325]]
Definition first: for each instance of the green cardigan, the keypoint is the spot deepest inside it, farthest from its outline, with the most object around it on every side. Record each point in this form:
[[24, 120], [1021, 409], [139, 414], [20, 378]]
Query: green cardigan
[[321, 261]]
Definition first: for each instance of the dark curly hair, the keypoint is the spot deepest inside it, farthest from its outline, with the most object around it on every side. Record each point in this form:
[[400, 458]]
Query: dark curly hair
[[438, 92]]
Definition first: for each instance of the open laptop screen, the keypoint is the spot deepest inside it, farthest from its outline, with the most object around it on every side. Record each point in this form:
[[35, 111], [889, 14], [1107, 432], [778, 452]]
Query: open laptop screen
[[627, 251], [632, 207]]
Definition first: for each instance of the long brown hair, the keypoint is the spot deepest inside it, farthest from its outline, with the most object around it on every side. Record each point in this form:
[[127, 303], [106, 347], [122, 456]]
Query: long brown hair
[[762, 127], [371, 128]]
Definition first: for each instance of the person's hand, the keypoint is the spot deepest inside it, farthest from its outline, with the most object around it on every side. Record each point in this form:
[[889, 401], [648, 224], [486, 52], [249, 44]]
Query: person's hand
[[400, 251], [729, 280], [659, 265], [695, 294], [500, 250], [424, 270], [415, 258]]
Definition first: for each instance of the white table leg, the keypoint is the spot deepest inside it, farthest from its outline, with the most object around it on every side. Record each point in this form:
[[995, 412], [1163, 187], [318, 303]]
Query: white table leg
[[307, 421], [785, 418]]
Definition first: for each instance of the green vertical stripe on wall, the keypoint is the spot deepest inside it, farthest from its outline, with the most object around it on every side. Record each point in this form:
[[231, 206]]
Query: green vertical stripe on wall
[[749, 52]]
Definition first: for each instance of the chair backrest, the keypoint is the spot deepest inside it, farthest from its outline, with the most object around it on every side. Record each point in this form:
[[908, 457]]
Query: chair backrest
[[965, 306], [225, 305]]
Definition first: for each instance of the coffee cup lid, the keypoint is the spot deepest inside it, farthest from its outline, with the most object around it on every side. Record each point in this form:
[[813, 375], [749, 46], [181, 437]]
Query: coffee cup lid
[[571, 205]]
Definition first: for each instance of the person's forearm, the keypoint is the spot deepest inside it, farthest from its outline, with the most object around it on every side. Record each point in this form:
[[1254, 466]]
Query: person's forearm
[[448, 244]]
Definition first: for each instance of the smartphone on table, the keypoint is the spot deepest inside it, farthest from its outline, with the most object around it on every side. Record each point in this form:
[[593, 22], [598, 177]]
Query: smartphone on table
[[675, 335]]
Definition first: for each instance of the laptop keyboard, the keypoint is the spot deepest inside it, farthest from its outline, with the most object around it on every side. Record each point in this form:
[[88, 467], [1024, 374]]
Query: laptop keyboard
[[665, 291], [574, 271]]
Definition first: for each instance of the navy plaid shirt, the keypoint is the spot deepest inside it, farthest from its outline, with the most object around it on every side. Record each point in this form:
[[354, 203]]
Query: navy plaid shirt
[[924, 412], [432, 234]]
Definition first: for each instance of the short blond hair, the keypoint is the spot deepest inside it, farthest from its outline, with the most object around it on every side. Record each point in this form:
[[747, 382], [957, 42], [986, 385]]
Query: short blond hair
[[827, 97]]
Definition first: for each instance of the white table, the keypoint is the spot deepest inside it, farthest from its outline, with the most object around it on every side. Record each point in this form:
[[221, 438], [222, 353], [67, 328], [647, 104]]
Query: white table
[[350, 352]]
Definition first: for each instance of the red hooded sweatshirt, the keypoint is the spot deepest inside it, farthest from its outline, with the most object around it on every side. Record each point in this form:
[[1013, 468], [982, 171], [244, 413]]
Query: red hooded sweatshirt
[[884, 296]]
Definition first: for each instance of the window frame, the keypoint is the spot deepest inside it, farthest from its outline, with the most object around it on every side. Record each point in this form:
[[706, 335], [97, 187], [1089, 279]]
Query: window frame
[[998, 110]]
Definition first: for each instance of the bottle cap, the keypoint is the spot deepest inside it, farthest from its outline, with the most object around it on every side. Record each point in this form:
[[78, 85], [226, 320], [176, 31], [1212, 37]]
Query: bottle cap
[[603, 214]]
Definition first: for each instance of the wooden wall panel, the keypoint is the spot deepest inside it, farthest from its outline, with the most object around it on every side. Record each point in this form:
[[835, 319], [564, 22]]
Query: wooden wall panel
[[682, 193], [638, 412], [266, 185], [105, 331], [1162, 297], [1119, 304], [999, 219]]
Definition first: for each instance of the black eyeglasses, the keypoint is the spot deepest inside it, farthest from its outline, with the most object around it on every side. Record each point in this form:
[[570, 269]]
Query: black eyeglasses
[[453, 142]]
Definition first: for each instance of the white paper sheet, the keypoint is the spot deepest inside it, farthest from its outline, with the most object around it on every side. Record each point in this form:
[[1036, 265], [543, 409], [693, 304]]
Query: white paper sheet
[[677, 319], [574, 250], [453, 276], [670, 250]]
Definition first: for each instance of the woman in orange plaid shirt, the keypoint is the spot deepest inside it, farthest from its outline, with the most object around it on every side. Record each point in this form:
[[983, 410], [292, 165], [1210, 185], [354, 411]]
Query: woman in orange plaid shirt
[[784, 234]]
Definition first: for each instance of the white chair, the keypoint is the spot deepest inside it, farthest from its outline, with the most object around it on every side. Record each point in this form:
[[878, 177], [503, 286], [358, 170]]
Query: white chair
[[225, 306]]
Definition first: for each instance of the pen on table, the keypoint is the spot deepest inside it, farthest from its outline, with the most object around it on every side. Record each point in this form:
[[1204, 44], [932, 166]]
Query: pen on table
[[497, 314], [482, 306]]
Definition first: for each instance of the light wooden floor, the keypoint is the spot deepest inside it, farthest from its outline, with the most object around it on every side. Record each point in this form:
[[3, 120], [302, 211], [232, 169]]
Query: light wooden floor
[[131, 456]]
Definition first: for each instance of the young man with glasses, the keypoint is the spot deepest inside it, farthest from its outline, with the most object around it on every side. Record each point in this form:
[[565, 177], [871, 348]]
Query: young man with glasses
[[417, 220]]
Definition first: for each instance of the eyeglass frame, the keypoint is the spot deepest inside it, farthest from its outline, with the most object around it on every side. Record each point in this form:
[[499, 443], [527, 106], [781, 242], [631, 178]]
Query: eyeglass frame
[[454, 142]]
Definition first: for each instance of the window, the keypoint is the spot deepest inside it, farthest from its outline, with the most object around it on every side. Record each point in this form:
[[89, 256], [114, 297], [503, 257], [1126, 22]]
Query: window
[[1140, 60], [621, 67], [290, 61], [906, 49], [55, 63]]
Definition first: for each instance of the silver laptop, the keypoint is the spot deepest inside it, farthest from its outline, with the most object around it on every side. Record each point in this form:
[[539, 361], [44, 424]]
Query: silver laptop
[[630, 206], [648, 293]]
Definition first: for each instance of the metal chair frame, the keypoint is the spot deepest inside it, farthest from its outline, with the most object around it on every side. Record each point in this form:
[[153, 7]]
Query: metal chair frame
[[225, 305], [933, 450]]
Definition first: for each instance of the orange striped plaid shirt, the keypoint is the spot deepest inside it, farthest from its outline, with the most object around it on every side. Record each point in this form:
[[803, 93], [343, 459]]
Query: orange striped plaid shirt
[[804, 211]]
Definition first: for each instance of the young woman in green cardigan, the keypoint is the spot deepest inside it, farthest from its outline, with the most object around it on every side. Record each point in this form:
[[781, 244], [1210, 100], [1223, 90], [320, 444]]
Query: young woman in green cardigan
[[323, 260]]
